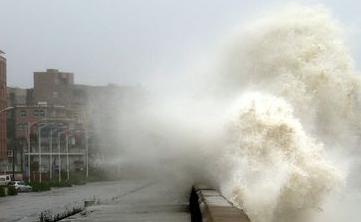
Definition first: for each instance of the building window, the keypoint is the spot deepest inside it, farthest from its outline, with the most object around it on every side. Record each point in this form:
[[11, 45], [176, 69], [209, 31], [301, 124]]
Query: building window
[[23, 113], [39, 113], [42, 113], [36, 112], [55, 94], [21, 126]]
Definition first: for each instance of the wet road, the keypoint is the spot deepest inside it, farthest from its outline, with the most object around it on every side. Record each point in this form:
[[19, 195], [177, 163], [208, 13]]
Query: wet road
[[157, 202], [117, 198]]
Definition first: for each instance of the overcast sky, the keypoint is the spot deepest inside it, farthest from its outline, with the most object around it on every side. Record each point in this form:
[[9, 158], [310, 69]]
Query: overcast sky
[[127, 41]]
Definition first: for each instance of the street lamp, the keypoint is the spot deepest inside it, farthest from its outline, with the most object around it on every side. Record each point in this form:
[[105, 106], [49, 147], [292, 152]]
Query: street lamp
[[28, 132], [52, 132], [39, 141], [59, 156], [87, 152]]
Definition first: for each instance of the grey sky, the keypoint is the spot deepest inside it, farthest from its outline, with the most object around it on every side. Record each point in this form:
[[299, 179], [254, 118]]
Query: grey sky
[[126, 41]]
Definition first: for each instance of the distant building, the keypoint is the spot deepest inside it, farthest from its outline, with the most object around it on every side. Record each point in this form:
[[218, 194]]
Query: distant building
[[46, 133], [28, 114], [17, 96], [53, 87], [56, 126], [3, 105], [72, 122]]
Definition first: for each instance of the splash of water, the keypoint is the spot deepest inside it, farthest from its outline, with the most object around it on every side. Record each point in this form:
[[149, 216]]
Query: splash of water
[[278, 171], [277, 162]]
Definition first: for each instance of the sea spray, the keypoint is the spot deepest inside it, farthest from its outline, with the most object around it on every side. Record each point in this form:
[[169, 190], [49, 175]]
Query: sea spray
[[300, 104], [298, 54], [275, 170], [273, 131]]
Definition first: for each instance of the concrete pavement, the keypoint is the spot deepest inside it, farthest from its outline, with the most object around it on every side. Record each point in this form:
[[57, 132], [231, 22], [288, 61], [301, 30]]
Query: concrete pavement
[[152, 202], [125, 200]]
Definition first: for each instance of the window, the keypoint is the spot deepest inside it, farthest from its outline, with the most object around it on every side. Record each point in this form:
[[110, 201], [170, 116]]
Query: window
[[36, 112], [22, 126], [39, 113], [23, 113], [42, 113], [55, 94]]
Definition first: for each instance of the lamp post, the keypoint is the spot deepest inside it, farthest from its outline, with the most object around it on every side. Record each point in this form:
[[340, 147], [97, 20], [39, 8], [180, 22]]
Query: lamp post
[[29, 150], [87, 152], [39, 141], [29, 147], [51, 155], [67, 155], [59, 156], [52, 132]]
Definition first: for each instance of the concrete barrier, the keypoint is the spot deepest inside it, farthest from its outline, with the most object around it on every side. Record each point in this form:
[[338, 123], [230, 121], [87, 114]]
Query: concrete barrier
[[208, 205]]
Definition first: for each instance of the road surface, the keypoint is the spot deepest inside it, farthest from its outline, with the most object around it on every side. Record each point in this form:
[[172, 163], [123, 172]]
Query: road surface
[[152, 203], [134, 199]]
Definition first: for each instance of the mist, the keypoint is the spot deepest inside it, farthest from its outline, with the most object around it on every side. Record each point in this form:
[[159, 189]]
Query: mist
[[272, 119]]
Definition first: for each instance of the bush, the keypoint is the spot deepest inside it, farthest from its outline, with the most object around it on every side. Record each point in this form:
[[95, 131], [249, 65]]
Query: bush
[[12, 191], [2, 191], [60, 184], [78, 179], [38, 187], [96, 175]]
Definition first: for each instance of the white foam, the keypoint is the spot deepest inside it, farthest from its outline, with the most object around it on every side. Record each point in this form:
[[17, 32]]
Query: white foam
[[299, 106]]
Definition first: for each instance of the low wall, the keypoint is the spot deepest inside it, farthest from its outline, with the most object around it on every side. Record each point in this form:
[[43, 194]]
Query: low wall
[[208, 205]]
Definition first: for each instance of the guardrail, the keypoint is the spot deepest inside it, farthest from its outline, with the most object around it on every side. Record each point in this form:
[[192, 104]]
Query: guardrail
[[208, 205]]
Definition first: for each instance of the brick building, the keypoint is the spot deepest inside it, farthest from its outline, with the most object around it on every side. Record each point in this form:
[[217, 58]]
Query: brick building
[[3, 105], [29, 114], [17, 96], [52, 120], [46, 132], [56, 105], [53, 87]]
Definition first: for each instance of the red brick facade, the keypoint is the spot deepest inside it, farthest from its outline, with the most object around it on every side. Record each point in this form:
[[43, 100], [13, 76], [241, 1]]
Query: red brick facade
[[3, 105], [53, 87], [29, 114]]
